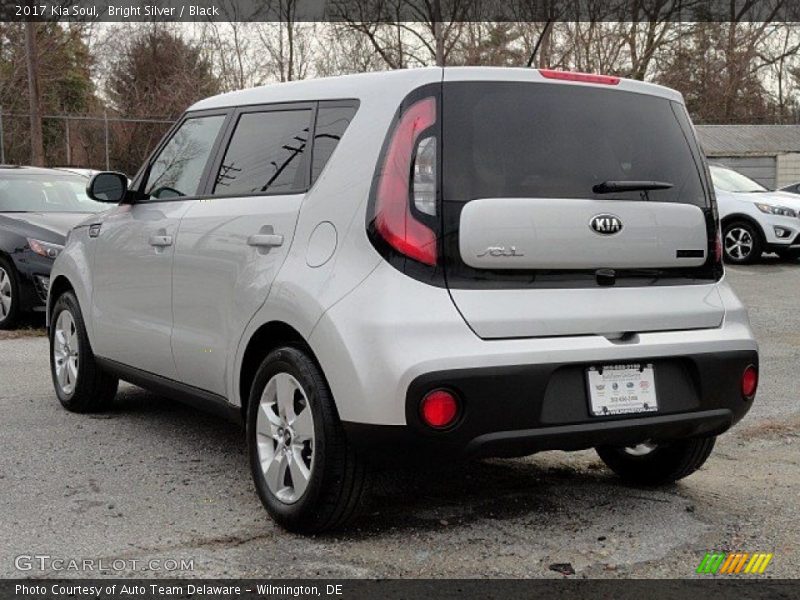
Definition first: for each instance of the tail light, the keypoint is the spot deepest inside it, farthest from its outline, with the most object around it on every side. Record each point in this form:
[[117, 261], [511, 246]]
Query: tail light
[[749, 382], [718, 247], [394, 220], [580, 77], [439, 409]]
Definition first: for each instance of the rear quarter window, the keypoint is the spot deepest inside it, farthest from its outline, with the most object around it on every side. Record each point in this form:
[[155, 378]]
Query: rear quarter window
[[333, 119]]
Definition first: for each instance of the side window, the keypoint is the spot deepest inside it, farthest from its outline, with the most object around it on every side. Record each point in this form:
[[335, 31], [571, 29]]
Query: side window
[[179, 166], [266, 154], [332, 121]]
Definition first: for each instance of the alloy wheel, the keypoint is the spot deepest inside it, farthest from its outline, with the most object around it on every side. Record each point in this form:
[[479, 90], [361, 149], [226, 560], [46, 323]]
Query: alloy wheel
[[285, 438], [65, 352], [5, 294], [738, 243]]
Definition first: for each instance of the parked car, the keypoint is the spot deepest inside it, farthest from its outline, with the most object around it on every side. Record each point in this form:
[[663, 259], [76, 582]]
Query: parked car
[[37, 209], [88, 173], [433, 263], [754, 219]]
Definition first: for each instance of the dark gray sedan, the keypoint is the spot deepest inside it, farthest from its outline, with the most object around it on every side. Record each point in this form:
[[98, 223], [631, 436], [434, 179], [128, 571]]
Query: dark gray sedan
[[38, 207]]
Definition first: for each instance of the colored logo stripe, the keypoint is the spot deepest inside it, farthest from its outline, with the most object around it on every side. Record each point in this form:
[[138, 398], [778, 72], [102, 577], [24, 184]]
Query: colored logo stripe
[[758, 564], [733, 563], [711, 562]]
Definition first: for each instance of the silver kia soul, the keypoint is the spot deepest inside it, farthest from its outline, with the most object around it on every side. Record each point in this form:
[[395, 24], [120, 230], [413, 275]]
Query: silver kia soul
[[446, 262]]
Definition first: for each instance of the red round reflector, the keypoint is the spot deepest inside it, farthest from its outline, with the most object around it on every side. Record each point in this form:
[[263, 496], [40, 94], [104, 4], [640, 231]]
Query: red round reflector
[[749, 382], [439, 408]]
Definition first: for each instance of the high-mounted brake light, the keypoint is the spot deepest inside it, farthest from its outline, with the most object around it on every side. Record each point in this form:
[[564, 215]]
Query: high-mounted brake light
[[582, 77], [394, 220]]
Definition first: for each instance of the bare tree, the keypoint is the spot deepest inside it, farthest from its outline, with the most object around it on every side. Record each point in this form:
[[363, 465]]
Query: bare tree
[[157, 73], [288, 43], [408, 32], [340, 49], [489, 43], [230, 49]]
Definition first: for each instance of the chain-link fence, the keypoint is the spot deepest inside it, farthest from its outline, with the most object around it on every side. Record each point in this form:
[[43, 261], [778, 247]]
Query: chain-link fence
[[104, 141]]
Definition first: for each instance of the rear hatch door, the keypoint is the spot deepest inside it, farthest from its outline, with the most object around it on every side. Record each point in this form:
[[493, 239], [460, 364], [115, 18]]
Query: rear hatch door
[[573, 209]]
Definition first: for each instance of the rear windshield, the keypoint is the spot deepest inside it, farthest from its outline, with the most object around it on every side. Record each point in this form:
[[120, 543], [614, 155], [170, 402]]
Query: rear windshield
[[537, 140]]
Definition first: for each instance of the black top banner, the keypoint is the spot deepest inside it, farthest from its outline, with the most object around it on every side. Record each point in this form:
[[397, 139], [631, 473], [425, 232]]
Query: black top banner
[[427, 11]]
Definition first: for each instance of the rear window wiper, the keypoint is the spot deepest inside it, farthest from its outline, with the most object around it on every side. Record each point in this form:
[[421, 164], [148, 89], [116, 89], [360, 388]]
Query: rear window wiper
[[609, 187]]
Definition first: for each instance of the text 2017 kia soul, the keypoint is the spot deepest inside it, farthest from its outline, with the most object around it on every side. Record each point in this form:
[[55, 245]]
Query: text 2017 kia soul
[[458, 262]]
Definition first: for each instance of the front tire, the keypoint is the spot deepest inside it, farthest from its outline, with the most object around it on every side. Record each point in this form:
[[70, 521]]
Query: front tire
[[308, 476], [9, 295], [741, 243], [81, 384], [657, 464]]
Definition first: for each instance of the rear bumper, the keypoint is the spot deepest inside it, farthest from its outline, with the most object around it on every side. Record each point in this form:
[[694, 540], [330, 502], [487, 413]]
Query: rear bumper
[[393, 332], [520, 410]]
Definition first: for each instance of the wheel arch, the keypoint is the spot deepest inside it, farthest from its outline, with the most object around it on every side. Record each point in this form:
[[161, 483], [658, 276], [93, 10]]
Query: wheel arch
[[8, 256], [58, 286], [264, 340]]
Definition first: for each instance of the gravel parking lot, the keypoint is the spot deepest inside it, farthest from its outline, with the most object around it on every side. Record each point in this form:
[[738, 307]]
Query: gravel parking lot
[[156, 480]]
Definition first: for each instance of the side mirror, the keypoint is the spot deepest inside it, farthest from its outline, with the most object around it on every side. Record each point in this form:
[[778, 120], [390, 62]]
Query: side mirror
[[108, 187]]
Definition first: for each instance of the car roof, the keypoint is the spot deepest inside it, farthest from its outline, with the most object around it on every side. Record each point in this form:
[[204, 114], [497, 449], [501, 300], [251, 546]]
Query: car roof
[[397, 83]]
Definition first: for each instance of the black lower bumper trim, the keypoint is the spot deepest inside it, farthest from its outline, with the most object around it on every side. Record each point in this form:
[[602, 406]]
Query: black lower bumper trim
[[399, 442], [607, 433], [522, 409]]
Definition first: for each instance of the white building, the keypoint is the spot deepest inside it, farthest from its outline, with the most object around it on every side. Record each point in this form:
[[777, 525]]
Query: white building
[[770, 154]]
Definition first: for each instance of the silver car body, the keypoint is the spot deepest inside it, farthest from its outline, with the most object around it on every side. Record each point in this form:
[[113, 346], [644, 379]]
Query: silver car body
[[189, 311]]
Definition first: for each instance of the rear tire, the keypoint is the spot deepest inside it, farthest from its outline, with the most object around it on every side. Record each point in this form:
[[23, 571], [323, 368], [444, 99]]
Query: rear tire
[[308, 476], [741, 243], [663, 464], [9, 295], [82, 386]]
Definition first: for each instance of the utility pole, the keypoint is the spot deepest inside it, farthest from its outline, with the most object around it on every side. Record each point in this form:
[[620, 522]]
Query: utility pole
[[438, 33], [544, 36], [2, 141], [32, 47]]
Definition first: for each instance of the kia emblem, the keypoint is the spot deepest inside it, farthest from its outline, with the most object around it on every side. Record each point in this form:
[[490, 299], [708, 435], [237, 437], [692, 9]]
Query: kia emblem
[[606, 224]]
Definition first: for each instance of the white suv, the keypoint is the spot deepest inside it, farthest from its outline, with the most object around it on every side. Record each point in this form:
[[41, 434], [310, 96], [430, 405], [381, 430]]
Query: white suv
[[755, 220], [435, 262]]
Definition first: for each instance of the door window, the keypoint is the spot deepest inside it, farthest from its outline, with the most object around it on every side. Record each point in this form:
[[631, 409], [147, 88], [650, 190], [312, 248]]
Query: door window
[[178, 169], [267, 154]]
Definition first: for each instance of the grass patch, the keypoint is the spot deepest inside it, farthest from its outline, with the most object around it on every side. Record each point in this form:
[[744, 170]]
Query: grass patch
[[23, 332]]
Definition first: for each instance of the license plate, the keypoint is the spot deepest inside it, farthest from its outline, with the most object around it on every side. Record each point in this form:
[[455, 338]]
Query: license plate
[[621, 389]]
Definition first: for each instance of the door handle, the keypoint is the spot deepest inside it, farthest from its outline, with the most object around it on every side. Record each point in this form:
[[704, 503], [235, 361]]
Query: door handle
[[265, 240], [160, 240]]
